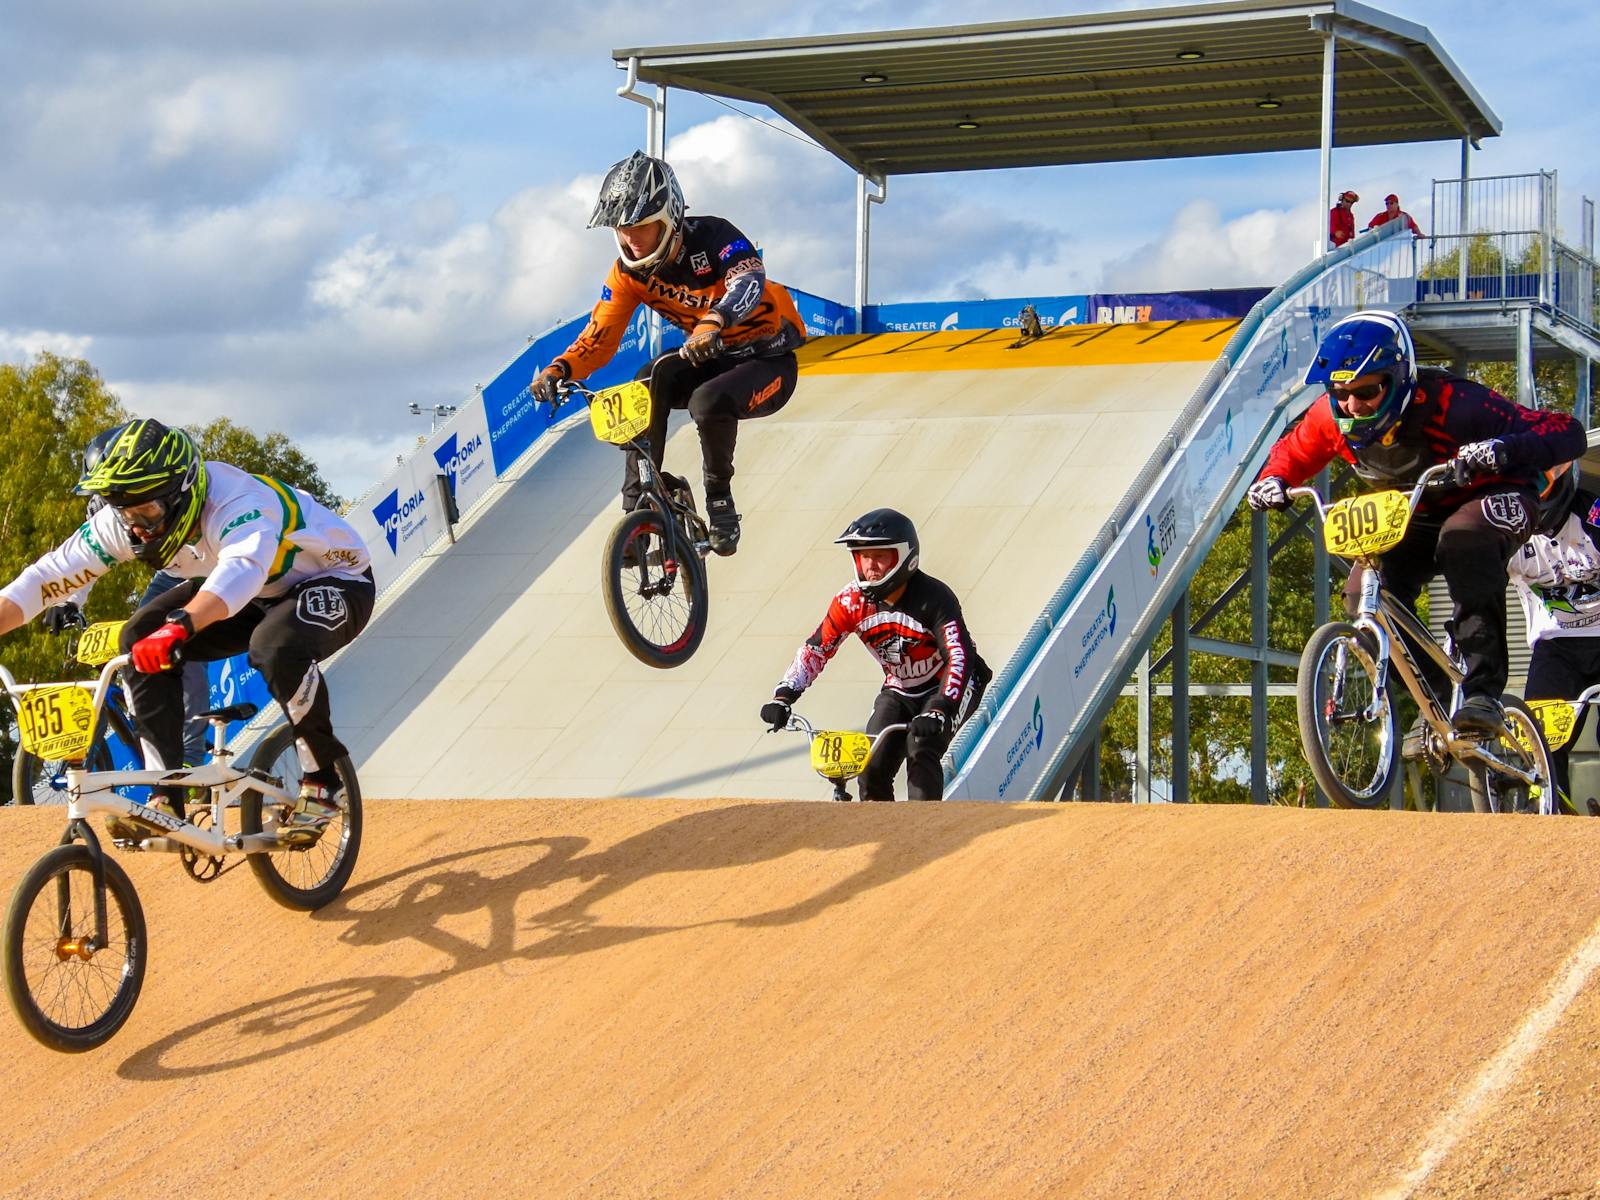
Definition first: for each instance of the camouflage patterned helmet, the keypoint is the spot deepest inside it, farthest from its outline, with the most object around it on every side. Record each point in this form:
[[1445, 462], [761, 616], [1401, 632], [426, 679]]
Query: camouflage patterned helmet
[[155, 479]]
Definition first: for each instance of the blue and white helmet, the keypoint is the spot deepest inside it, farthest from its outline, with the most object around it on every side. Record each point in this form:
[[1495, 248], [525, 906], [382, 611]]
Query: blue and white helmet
[[1365, 343]]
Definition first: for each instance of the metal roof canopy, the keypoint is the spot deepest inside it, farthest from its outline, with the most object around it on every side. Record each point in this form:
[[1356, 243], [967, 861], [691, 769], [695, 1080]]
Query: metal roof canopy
[[1093, 88]]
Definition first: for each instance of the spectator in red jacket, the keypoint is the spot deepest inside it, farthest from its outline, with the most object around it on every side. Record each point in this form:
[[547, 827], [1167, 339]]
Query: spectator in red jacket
[[1341, 221], [1393, 212]]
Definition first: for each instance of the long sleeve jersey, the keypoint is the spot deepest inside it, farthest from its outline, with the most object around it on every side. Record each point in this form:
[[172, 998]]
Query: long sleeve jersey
[[257, 537], [920, 641], [717, 269], [1446, 413], [1558, 581]]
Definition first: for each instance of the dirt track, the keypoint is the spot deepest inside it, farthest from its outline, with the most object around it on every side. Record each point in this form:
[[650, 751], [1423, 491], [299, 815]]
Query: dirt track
[[663, 999]]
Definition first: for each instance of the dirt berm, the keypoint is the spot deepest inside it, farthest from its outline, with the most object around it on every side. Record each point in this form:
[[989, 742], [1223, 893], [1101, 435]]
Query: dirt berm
[[678, 999]]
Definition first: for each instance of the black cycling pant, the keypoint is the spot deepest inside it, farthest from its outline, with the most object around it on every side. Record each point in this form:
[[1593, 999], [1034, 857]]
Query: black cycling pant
[[1470, 547], [286, 637], [718, 394], [1560, 669], [924, 771], [196, 684]]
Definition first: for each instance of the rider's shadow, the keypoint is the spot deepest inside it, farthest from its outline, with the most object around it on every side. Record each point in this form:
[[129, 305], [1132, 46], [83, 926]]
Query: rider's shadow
[[475, 915]]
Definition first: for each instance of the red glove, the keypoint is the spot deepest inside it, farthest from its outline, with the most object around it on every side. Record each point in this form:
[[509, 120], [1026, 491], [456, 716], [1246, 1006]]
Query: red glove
[[154, 653]]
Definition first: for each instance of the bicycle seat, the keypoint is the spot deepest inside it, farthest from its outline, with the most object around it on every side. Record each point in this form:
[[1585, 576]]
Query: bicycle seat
[[233, 712]]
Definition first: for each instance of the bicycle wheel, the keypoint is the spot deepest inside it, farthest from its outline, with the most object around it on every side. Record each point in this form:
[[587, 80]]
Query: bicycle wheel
[[1522, 745], [657, 605], [308, 877], [1347, 729], [70, 992], [36, 781]]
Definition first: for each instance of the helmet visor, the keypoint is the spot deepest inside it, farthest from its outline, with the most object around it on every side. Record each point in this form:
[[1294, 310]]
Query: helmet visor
[[146, 519]]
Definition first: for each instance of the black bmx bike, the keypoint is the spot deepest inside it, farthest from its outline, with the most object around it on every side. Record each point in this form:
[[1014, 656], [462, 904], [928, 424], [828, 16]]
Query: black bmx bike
[[652, 568]]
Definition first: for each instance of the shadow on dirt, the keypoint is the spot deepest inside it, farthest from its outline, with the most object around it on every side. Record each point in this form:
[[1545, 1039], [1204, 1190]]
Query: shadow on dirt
[[415, 903]]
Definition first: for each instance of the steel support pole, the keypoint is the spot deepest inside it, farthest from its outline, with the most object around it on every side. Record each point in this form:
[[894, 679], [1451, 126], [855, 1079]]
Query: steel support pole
[[1461, 208], [1258, 669], [1525, 392], [1091, 770], [1329, 41], [1582, 406], [863, 232], [1180, 699], [1141, 750]]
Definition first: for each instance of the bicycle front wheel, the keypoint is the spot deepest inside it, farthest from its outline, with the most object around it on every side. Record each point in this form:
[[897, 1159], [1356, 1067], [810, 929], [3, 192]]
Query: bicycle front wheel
[[71, 988], [308, 877], [1347, 728], [1523, 746], [657, 602]]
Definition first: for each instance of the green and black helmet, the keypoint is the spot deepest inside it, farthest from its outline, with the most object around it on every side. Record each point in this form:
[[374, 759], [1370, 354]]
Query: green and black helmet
[[155, 479]]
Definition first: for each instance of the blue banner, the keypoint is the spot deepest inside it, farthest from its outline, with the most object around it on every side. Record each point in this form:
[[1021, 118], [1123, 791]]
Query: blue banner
[[821, 315], [975, 314], [1129, 308]]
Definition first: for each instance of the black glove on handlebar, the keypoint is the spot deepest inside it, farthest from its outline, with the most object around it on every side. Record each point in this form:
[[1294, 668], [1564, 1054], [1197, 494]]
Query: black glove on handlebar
[[546, 385], [1481, 458], [59, 618], [775, 713], [931, 724]]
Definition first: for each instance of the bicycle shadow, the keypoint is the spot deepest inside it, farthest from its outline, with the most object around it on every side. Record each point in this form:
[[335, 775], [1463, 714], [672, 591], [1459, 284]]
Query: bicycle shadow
[[417, 903]]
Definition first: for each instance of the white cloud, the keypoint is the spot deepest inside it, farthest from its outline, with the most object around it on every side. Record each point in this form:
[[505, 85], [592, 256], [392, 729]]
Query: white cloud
[[18, 344]]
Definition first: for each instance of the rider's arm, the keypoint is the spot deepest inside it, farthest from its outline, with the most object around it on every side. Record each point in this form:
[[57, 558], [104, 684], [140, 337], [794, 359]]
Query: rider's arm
[[251, 542], [1534, 439], [955, 642], [620, 295], [843, 616], [743, 274], [1306, 448], [97, 546]]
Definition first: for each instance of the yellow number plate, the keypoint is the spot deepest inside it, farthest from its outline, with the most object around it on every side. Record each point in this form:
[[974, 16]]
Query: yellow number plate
[[840, 755], [1365, 525], [1556, 718], [620, 414], [57, 722], [98, 644]]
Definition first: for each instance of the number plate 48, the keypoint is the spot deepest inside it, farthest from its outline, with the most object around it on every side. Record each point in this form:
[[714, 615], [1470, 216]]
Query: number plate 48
[[840, 754]]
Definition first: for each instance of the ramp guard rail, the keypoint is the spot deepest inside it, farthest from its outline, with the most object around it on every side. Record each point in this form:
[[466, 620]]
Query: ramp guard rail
[[1068, 668]]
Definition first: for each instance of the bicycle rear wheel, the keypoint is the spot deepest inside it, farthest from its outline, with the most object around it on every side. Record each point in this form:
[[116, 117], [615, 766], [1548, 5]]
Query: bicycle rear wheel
[[657, 603], [1523, 746], [71, 991], [1347, 728], [303, 878], [44, 781]]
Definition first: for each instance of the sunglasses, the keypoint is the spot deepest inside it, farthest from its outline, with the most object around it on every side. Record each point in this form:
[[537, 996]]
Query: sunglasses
[[1367, 392]]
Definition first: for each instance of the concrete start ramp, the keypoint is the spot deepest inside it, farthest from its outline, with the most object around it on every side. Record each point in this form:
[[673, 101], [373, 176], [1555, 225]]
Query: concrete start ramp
[[495, 672], [642, 998]]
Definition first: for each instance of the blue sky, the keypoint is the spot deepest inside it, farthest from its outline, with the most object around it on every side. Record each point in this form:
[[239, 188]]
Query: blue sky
[[307, 215]]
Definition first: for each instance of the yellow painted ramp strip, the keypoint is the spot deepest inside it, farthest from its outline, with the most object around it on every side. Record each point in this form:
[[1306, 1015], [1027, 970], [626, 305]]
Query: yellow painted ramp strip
[[996, 349]]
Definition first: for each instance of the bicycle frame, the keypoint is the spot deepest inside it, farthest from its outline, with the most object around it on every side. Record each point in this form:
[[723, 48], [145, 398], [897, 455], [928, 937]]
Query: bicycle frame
[[1379, 614], [91, 792]]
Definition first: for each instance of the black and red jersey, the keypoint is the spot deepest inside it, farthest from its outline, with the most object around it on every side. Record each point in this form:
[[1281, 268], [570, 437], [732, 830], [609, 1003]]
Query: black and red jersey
[[715, 267], [920, 641], [1446, 413]]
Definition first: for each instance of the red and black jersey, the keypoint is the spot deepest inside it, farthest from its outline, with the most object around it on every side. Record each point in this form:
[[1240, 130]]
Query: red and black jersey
[[1446, 413], [716, 267], [920, 641]]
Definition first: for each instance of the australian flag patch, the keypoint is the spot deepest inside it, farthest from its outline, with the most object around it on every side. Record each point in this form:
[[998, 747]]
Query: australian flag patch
[[732, 248]]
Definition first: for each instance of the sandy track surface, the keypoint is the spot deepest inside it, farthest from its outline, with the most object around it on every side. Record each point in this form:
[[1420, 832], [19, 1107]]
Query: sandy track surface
[[658, 998]]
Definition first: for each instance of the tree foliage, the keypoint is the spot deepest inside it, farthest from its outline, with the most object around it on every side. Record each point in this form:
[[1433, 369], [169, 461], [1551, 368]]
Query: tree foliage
[[270, 454]]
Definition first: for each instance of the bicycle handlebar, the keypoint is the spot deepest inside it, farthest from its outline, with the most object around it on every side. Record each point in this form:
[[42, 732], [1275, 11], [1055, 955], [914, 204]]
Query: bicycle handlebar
[[1442, 475]]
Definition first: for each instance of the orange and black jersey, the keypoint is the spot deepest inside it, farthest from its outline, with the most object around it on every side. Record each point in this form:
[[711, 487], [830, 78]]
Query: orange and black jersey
[[920, 641], [716, 267]]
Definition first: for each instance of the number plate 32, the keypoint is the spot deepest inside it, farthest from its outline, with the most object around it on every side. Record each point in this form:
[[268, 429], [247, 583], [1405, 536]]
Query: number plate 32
[[840, 754], [620, 414], [1366, 525]]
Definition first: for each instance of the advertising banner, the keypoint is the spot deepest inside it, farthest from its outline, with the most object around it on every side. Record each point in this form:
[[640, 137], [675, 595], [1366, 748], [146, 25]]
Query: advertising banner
[[1129, 308], [460, 452], [975, 314], [823, 316], [400, 518]]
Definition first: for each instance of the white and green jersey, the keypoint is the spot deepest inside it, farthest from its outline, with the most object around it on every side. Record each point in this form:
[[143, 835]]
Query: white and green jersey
[[1558, 581], [257, 537]]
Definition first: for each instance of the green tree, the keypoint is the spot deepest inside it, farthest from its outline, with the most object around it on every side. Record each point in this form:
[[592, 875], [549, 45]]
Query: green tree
[[269, 454]]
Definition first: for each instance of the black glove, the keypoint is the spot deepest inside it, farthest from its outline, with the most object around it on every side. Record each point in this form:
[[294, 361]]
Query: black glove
[[59, 618], [704, 344], [775, 713], [930, 725], [1270, 492], [545, 384], [1480, 458]]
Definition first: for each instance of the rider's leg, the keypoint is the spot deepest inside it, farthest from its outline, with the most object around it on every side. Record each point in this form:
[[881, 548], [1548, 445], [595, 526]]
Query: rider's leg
[[1406, 570], [1476, 542], [738, 391], [671, 379], [877, 781], [316, 618], [196, 686], [924, 771], [1560, 669]]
